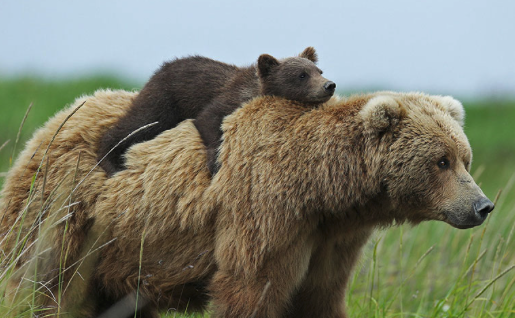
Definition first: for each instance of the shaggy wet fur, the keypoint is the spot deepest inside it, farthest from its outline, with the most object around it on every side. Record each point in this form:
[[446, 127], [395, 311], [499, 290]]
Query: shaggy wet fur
[[275, 233]]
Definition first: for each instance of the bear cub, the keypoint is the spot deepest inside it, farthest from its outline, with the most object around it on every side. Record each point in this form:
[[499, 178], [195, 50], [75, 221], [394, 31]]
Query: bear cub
[[207, 90]]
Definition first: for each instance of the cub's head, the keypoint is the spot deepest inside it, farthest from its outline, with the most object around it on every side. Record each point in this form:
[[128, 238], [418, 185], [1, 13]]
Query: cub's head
[[295, 78], [427, 158]]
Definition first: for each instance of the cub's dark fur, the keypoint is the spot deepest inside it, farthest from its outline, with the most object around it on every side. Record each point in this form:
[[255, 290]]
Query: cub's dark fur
[[208, 90]]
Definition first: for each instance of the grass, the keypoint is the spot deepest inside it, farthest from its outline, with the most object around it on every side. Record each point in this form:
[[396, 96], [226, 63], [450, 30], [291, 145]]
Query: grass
[[431, 270]]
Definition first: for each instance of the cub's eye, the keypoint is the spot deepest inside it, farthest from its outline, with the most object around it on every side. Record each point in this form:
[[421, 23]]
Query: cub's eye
[[444, 163], [303, 75]]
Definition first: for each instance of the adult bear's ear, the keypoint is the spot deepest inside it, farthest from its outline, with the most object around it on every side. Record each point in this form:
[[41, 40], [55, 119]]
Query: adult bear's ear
[[310, 54], [453, 108], [266, 64], [381, 113]]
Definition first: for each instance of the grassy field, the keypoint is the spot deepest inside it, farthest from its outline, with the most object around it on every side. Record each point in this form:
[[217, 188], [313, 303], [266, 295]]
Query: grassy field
[[431, 270]]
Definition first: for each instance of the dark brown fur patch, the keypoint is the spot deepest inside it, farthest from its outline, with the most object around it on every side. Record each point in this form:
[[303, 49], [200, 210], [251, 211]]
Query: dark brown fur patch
[[208, 90]]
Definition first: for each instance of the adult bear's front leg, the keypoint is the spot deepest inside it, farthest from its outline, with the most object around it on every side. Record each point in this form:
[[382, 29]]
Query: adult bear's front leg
[[264, 291], [322, 292]]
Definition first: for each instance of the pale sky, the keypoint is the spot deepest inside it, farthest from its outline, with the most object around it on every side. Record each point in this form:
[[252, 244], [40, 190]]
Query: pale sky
[[465, 48]]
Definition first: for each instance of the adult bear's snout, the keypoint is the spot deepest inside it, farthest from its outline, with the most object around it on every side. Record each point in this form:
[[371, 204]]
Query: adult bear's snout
[[468, 215]]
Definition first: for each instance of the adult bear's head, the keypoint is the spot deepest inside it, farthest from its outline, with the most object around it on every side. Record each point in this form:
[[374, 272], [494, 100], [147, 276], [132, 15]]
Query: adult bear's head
[[426, 163]]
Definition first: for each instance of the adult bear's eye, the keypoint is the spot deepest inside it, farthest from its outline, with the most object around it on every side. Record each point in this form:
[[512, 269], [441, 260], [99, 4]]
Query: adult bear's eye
[[444, 163], [303, 75]]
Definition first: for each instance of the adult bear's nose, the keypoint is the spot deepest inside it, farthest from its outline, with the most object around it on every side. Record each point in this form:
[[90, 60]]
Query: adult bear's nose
[[483, 206], [329, 86]]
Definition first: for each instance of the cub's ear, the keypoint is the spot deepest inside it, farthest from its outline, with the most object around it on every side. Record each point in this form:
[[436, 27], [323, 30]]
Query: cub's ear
[[453, 107], [266, 64], [381, 113], [310, 54]]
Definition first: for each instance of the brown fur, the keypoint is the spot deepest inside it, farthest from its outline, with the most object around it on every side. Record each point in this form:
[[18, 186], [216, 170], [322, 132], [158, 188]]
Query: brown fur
[[208, 90], [77, 138], [277, 231]]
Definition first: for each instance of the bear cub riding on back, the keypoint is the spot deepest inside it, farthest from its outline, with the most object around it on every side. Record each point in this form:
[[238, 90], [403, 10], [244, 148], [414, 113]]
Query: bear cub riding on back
[[208, 90]]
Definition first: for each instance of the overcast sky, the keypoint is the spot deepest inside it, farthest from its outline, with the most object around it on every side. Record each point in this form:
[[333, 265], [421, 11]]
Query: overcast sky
[[465, 48]]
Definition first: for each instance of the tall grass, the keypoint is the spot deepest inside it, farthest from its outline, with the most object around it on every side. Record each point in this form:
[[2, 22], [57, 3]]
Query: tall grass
[[431, 270], [436, 271]]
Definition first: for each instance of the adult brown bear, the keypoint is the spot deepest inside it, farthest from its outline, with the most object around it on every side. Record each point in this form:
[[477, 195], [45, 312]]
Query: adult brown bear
[[275, 233]]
